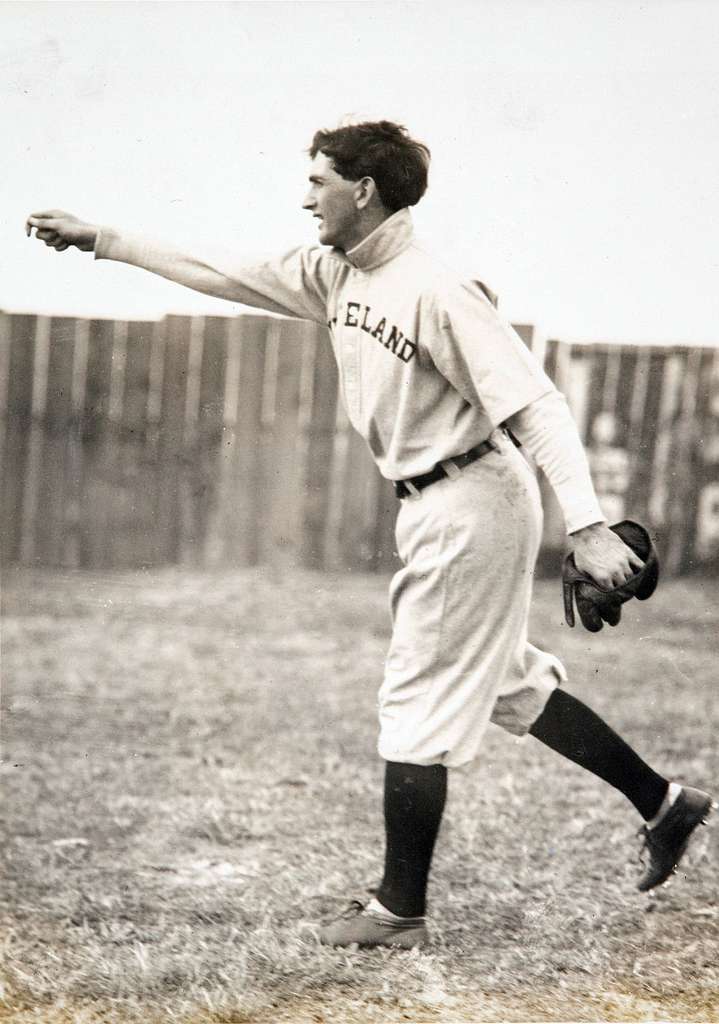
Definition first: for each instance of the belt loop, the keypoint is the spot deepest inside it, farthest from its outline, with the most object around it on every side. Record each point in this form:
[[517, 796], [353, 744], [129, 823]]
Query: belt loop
[[451, 469], [414, 492]]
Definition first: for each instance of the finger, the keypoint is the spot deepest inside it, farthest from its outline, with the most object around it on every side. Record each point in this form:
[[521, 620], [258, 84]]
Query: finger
[[47, 214], [627, 571], [46, 234], [632, 568], [47, 219], [62, 246], [36, 220], [624, 577], [621, 575], [43, 226], [603, 581]]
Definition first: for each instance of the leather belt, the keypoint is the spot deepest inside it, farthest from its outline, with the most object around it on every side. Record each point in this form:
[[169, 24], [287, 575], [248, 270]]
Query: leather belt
[[447, 468]]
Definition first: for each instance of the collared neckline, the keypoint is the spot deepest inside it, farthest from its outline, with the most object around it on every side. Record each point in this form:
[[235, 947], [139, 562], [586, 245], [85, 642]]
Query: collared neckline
[[387, 240]]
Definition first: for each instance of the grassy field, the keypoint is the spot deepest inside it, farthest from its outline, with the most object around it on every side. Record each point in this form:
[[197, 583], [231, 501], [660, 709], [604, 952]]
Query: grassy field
[[191, 783]]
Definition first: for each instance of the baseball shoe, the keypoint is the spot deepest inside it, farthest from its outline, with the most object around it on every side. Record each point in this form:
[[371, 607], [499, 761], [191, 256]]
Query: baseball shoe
[[667, 841], [358, 926]]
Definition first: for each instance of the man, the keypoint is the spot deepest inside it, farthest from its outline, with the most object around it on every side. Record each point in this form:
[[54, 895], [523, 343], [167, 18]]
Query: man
[[434, 381]]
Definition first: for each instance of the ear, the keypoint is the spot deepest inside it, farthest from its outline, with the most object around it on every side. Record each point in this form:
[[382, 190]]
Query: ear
[[365, 190]]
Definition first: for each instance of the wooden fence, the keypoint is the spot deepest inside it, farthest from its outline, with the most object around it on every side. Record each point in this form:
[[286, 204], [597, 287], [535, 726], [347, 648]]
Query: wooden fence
[[209, 441]]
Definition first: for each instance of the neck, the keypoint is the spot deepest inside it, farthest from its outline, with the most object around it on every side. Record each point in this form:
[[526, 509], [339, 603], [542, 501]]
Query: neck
[[366, 224]]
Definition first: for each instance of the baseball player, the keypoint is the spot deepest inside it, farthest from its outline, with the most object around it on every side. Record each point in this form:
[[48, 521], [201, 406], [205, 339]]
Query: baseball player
[[445, 393]]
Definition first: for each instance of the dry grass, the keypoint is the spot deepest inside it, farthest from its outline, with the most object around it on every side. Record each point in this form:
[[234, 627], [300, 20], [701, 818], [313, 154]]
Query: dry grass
[[191, 782]]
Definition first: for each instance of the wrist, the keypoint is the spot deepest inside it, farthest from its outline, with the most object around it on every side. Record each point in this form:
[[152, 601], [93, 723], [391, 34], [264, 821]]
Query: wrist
[[591, 530], [104, 241], [588, 536]]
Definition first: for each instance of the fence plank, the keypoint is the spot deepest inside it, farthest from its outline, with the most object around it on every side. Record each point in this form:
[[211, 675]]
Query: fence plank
[[137, 381], [610, 431], [704, 552], [188, 506], [680, 519], [17, 434], [612, 379], [37, 440], [623, 395], [282, 476], [242, 504], [53, 491], [645, 419], [133, 532], [551, 356], [661, 480], [607, 431], [96, 492], [73, 498], [171, 512], [208, 439], [597, 359], [635, 402]]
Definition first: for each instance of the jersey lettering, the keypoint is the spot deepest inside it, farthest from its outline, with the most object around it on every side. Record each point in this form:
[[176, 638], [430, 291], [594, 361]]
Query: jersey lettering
[[394, 339], [396, 343], [378, 332], [407, 351]]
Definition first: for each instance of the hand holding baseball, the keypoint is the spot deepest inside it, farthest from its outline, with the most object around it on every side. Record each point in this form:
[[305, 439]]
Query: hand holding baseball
[[60, 230]]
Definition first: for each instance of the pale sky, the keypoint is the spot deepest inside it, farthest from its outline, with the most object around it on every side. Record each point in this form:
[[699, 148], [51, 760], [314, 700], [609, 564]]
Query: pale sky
[[575, 145]]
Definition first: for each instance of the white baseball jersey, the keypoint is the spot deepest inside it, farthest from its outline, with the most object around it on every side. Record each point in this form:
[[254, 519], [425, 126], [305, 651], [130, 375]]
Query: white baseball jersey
[[427, 367]]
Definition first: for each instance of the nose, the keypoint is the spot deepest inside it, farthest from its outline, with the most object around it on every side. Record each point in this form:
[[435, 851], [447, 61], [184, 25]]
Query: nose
[[308, 203]]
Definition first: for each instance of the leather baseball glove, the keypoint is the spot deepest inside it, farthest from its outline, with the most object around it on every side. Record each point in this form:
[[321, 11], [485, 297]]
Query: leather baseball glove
[[597, 606]]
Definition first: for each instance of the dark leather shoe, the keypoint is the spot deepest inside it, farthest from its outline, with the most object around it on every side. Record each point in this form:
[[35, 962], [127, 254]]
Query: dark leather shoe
[[668, 840], [358, 926]]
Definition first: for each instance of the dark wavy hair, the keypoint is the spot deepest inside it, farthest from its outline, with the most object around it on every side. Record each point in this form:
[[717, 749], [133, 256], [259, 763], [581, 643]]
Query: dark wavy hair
[[380, 150]]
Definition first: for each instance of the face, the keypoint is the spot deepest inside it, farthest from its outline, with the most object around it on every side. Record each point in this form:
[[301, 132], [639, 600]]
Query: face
[[331, 199]]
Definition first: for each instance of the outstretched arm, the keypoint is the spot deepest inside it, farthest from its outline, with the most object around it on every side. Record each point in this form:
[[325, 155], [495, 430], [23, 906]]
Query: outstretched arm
[[295, 284], [547, 429]]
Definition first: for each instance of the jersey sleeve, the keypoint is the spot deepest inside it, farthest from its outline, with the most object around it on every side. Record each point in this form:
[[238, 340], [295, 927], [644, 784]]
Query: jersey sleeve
[[548, 431], [294, 284], [483, 357]]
